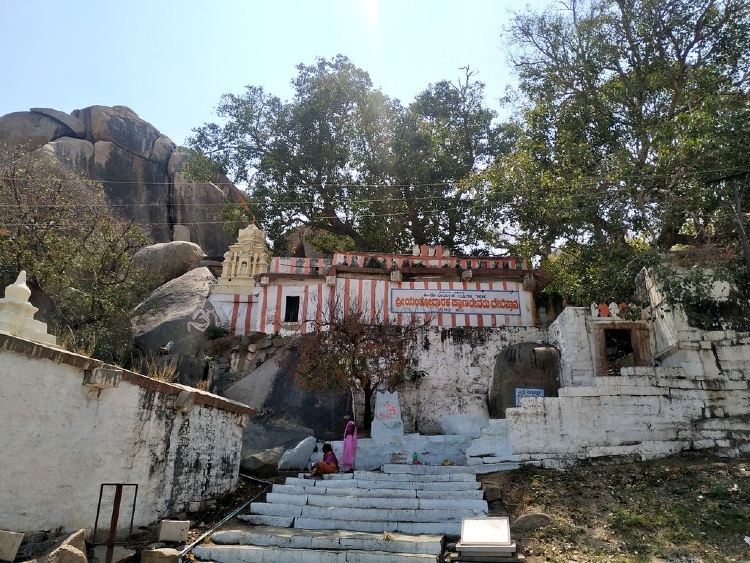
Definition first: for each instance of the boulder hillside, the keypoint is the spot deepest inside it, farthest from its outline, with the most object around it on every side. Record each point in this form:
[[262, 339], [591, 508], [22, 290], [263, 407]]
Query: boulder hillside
[[141, 170]]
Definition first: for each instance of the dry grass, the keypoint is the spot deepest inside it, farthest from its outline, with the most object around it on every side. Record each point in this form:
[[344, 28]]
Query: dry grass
[[160, 369], [687, 509]]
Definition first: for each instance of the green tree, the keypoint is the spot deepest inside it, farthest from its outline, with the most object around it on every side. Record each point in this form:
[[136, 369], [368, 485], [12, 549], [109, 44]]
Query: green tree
[[308, 161], [440, 140], [361, 354], [57, 227], [634, 112], [344, 158]]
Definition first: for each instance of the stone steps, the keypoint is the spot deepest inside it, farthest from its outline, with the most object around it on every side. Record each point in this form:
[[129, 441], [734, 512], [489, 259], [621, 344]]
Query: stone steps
[[399, 514], [271, 545]]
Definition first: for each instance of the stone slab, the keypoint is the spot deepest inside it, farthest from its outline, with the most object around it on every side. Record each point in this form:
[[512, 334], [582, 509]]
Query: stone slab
[[9, 544], [334, 540], [160, 555], [174, 530], [390, 515], [255, 554], [435, 528]]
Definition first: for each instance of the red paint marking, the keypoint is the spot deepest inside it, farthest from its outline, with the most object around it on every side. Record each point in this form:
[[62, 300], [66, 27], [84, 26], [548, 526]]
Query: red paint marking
[[319, 306], [373, 298], [360, 289], [235, 311], [347, 295], [248, 313], [386, 300], [277, 313], [440, 315], [451, 286], [263, 310], [303, 327]]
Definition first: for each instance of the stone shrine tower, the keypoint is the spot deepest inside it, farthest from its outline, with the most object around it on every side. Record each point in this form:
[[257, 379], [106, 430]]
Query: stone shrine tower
[[248, 257]]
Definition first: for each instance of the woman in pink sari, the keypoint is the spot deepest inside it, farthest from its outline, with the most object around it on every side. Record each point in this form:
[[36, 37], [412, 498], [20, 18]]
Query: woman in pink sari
[[349, 450]]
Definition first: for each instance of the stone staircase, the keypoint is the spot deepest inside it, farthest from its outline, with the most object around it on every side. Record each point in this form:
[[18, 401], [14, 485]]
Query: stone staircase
[[401, 513]]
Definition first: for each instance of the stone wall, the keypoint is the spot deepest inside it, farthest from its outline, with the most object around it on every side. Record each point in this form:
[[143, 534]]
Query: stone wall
[[646, 412], [458, 364], [63, 437]]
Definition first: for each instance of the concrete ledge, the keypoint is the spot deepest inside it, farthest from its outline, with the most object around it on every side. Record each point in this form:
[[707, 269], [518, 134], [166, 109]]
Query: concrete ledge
[[436, 528], [9, 544], [255, 554], [334, 540]]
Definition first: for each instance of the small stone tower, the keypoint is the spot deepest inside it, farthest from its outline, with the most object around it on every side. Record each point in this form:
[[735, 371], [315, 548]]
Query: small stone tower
[[248, 257]]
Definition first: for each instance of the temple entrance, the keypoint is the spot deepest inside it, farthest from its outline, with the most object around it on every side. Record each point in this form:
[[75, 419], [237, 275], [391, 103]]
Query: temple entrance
[[523, 370]]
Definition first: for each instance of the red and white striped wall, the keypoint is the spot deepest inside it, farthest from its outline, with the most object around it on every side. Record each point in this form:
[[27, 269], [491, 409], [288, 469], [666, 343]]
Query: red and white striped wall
[[265, 310]]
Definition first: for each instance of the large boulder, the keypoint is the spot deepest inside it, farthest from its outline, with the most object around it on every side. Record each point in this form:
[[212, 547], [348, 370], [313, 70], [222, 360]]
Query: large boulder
[[122, 126], [169, 260], [77, 154], [200, 205], [287, 413], [177, 312], [133, 185], [140, 168], [77, 126], [30, 130]]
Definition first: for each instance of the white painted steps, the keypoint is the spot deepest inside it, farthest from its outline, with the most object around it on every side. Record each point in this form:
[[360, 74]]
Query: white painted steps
[[252, 544], [400, 514], [422, 501]]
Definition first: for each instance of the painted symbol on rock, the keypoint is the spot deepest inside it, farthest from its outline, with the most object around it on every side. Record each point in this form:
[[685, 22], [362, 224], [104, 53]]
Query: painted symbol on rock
[[202, 319], [388, 412]]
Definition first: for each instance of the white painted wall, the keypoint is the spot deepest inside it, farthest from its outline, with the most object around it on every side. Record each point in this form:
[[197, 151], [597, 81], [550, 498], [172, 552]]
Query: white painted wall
[[61, 440], [459, 363], [699, 398]]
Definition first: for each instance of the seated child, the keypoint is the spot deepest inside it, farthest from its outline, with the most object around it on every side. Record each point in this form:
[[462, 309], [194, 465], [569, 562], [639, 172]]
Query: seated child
[[329, 463]]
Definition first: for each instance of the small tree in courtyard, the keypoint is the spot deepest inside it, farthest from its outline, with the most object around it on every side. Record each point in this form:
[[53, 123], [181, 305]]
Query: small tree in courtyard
[[346, 351]]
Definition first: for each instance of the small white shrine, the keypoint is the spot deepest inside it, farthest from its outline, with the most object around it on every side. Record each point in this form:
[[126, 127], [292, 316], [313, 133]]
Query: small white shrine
[[248, 257], [17, 314]]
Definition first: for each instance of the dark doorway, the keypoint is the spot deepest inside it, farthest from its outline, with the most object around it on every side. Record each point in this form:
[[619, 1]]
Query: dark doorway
[[525, 369]]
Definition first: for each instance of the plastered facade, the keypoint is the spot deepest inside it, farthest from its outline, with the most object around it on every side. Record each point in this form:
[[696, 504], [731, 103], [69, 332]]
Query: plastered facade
[[65, 432]]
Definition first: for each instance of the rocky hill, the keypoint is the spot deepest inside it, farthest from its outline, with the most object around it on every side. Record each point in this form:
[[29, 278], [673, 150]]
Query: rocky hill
[[142, 171]]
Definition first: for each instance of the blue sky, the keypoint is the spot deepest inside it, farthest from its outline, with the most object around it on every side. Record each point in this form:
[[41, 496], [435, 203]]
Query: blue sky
[[170, 61]]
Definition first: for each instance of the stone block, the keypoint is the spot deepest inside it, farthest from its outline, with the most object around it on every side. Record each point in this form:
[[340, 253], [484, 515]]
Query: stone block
[[120, 554], [174, 530], [9, 544], [299, 456], [161, 555]]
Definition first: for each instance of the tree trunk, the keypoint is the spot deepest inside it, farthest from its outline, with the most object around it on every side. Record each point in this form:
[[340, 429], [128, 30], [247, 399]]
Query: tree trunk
[[367, 422], [741, 227]]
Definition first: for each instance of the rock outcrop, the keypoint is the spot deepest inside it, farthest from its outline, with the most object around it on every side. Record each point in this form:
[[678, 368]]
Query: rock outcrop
[[141, 170], [166, 261], [178, 312]]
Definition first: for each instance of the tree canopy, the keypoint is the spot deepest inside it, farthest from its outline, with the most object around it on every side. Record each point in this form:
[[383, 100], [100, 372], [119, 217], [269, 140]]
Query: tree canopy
[[344, 158], [57, 227], [635, 114], [630, 137]]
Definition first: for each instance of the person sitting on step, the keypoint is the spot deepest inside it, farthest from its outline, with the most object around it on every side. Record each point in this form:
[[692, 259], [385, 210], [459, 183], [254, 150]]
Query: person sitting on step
[[329, 464]]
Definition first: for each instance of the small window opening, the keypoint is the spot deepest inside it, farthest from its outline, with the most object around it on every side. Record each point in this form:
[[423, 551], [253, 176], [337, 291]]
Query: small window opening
[[291, 312], [619, 350]]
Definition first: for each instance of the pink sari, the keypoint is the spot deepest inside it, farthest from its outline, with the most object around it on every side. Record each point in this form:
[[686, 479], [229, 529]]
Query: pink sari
[[349, 450]]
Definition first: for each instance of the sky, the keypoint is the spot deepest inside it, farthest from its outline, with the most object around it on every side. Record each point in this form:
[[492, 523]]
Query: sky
[[170, 61]]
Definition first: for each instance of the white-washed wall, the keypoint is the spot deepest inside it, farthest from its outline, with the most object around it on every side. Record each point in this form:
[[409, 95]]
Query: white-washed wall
[[61, 440], [570, 335], [459, 363], [647, 412]]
